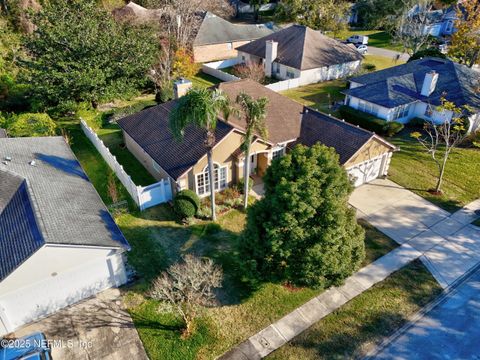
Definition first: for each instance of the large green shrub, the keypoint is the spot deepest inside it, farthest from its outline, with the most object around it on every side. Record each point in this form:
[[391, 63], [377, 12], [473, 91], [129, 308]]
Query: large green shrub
[[364, 120], [32, 124], [303, 230], [186, 204], [393, 127]]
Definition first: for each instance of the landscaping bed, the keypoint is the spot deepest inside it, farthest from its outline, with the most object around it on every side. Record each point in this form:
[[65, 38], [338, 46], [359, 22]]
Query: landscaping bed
[[413, 168], [351, 331]]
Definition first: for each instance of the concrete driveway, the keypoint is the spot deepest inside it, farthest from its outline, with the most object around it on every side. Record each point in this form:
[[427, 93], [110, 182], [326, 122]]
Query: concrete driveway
[[449, 330], [449, 243], [97, 328]]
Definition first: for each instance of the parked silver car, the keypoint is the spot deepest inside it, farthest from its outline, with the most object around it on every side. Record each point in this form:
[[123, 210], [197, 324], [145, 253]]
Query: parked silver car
[[362, 49]]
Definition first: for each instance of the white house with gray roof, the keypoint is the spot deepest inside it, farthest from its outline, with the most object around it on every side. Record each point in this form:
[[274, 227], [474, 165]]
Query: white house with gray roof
[[415, 90], [58, 242], [298, 52]]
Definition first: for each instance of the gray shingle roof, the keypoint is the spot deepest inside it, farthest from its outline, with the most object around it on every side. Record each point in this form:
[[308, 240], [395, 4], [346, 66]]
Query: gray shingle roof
[[54, 198], [20, 234], [149, 128], [345, 138], [303, 48], [216, 30], [402, 84]]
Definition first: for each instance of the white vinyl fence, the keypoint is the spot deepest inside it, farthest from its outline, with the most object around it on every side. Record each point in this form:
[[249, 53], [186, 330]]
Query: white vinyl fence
[[214, 69], [144, 197], [284, 85]]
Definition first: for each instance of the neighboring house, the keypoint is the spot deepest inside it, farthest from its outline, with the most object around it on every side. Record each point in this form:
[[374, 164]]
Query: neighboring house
[[441, 22], [58, 242], [218, 39], [365, 155], [415, 89], [298, 52]]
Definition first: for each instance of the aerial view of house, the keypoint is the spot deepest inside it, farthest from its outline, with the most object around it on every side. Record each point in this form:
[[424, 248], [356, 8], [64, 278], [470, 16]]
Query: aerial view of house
[[300, 52], [415, 89], [59, 243], [239, 180], [218, 39], [365, 155]]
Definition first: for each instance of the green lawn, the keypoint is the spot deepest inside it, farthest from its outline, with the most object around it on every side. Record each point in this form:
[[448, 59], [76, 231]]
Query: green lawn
[[376, 38], [381, 62], [413, 168], [318, 96], [204, 80], [350, 331]]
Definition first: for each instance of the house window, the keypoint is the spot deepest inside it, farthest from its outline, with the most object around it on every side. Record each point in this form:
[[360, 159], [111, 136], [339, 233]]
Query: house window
[[277, 153], [367, 107], [290, 74], [229, 46], [401, 112], [243, 58], [203, 180]]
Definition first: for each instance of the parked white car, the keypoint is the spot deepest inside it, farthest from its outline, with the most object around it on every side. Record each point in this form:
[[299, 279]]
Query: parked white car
[[358, 39], [362, 49]]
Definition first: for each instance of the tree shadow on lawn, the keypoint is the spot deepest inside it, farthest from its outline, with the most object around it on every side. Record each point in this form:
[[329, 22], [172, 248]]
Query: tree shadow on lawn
[[368, 319], [156, 245]]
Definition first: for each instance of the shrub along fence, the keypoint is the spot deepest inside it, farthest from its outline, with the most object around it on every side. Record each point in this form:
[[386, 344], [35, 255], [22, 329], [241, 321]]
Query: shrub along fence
[[370, 122], [144, 197]]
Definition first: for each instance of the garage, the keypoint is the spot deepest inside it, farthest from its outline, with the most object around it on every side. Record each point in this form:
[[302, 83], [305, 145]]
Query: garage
[[369, 170]]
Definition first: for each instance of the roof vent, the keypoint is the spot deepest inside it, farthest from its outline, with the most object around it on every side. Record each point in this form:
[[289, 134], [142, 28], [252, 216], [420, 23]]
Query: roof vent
[[8, 158], [5, 162], [32, 163], [306, 111]]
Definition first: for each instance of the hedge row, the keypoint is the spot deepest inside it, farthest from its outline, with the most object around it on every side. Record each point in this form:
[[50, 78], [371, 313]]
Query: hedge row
[[370, 122]]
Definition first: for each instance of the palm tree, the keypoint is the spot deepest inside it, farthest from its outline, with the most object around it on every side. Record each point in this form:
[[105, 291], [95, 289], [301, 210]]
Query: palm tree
[[254, 112], [200, 107]]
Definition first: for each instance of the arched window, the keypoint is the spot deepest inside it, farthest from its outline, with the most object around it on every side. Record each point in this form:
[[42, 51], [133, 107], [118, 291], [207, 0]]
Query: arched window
[[203, 181]]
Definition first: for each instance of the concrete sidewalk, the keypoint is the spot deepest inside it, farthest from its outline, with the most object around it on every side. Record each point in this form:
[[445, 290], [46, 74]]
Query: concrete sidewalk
[[449, 243], [285, 329]]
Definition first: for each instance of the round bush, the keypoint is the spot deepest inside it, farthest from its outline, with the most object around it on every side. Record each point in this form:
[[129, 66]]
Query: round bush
[[393, 127], [186, 204], [32, 124]]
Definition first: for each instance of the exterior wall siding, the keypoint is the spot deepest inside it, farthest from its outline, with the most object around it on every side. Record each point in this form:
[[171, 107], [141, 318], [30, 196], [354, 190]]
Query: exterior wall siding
[[212, 52], [370, 150]]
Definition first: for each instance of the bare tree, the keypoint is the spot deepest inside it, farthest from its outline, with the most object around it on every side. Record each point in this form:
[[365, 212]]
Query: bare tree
[[187, 287], [413, 25], [443, 135], [253, 71]]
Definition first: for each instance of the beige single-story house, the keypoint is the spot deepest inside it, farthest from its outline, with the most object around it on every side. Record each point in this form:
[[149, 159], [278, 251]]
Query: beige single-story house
[[365, 155], [298, 52], [218, 39]]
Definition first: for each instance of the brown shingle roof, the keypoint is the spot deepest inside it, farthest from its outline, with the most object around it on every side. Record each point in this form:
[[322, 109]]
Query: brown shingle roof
[[283, 114], [303, 48]]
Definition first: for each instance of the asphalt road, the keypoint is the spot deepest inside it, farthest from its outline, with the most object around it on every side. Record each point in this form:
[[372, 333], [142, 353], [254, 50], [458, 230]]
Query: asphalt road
[[450, 330]]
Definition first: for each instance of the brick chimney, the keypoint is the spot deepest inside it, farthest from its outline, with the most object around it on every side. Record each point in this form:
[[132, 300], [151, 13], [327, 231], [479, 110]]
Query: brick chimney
[[271, 48], [429, 83], [180, 87]]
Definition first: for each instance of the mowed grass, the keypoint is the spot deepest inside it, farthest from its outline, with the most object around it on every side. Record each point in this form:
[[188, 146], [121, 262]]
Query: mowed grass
[[204, 80], [381, 62], [318, 96], [351, 331], [376, 38], [413, 168]]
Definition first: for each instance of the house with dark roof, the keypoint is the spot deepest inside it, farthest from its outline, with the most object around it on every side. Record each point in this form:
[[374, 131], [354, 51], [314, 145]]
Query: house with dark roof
[[58, 242], [365, 155], [416, 89], [218, 39], [298, 52]]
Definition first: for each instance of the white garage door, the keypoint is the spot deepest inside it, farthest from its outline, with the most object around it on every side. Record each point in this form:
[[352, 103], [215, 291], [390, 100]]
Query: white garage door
[[366, 171], [43, 298]]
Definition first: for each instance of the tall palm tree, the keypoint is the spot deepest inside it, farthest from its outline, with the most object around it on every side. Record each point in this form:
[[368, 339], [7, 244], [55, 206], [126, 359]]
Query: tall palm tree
[[254, 113], [200, 107]]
